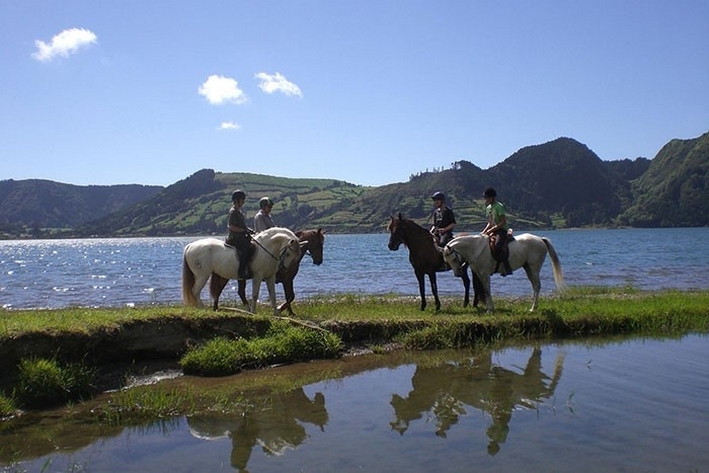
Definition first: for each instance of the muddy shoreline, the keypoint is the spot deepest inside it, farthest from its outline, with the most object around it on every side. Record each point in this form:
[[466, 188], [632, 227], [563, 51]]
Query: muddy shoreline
[[142, 347]]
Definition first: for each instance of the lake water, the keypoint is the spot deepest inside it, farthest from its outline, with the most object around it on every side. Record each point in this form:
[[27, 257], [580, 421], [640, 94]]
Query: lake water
[[626, 404], [141, 271]]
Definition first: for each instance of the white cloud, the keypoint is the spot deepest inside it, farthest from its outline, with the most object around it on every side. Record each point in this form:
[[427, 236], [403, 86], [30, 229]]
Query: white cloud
[[219, 89], [65, 43], [229, 126], [271, 83]]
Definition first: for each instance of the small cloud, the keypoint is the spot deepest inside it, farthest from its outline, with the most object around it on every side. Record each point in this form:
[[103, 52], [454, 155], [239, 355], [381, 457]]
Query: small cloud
[[229, 126], [271, 83], [65, 43], [219, 89]]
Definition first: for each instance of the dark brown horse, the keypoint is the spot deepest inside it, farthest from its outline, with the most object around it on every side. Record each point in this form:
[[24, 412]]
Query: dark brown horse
[[315, 240], [426, 257]]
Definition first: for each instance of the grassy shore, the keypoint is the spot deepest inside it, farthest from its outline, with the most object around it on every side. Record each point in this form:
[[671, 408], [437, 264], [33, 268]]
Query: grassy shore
[[78, 340]]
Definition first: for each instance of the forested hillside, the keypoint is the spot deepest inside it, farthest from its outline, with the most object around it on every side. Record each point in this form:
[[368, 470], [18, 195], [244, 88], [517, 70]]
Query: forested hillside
[[674, 192], [558, 184], [32, 206]]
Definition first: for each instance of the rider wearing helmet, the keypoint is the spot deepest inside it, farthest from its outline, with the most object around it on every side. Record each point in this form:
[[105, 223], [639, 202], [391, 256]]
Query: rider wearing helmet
[[239, 234], [497, 225], [262, 219], [443, 219]]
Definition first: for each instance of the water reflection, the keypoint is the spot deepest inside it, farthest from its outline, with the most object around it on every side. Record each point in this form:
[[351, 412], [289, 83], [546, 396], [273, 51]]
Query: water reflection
[[275, 427], [443, 392], [638, 404]]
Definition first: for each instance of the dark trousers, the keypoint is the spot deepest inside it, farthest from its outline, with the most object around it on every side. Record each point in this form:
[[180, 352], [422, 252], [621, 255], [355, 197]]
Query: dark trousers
[[245, 250], [501, 250]]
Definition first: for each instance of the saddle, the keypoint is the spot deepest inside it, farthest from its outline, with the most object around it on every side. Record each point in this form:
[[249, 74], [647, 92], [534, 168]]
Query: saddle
[[493, 249]]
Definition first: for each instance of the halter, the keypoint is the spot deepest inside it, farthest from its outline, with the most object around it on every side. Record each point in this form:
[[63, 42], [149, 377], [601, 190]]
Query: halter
[[281, 257], [457, 257]]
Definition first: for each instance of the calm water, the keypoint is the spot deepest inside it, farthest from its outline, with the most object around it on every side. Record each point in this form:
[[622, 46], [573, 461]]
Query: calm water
[[124, 272], [618, 405]]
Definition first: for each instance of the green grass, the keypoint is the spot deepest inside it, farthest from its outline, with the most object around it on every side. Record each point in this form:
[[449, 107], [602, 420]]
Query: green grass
[[43, 382], [283, 343], [7, 406]]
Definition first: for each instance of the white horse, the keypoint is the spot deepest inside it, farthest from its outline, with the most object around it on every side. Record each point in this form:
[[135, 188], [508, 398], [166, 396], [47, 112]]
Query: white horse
[[275, 248], [526, 251]]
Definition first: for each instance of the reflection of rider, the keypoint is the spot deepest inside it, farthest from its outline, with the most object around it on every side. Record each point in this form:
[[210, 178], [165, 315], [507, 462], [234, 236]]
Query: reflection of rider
[[445, 390], [239, 234], [443, 219], [275, 427], [497, 225]]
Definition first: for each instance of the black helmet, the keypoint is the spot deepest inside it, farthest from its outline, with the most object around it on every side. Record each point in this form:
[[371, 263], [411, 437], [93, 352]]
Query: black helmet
[[489, 192], [438, 195], [238, 194]]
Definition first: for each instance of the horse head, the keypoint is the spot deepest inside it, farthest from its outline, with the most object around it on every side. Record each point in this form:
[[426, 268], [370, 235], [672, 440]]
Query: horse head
[[290, 253], [396, 232], [454, 259], [314, 242]]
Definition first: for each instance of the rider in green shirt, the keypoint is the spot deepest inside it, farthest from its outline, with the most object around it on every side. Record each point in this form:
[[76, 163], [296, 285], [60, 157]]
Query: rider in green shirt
[[497, 225]]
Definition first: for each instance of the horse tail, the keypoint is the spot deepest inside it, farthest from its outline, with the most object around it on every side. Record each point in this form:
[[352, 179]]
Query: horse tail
[[188, 282], [555, 265]]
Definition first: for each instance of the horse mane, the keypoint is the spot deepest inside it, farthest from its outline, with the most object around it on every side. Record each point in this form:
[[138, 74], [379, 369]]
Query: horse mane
[[415, 227]]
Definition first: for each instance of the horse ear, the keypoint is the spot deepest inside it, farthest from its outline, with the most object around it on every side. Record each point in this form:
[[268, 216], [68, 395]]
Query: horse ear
[[401, 217]]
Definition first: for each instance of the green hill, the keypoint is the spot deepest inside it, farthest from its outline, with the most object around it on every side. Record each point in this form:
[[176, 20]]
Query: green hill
[[199, 205], [674, 191], [39, 207], [557, 184]]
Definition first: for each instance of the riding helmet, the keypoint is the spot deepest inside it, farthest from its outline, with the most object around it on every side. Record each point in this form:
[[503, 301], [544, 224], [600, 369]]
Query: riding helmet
[[238, 194], [438, 195], [489, 192], [265, 201]]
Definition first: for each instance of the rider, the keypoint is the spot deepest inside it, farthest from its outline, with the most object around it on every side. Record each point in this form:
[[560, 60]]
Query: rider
[[443, 219], [262, 219], [497, 225], [239, 234]]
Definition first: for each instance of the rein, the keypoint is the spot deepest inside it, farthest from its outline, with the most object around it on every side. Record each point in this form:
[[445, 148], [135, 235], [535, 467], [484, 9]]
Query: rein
[[281, 257], [264, 248]]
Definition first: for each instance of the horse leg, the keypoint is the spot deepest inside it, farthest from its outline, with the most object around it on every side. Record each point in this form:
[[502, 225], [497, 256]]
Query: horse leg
[[200, 282], [242, 292], [466, 284], [422, 288], [434, 289], [216, 286], [533, 277], [255, 288], [478, 290], [271, 285], [290, 295], [485, 281]]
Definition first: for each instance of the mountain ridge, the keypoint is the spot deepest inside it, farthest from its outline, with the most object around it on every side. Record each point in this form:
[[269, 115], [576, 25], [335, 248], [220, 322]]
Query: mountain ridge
[[558, 184]]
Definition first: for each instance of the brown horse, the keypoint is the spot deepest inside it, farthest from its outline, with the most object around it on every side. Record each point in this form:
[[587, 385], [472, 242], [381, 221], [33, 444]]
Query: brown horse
[[426, 257], [315, 240]]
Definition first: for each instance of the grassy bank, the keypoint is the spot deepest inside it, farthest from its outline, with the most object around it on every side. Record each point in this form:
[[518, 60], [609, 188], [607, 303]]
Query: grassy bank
[[215, 344]]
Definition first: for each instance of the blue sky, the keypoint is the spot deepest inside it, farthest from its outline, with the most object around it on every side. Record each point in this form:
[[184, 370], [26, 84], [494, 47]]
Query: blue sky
[[369, 92]]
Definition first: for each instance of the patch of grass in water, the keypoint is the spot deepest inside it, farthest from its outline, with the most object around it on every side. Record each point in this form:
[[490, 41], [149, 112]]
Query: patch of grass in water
[[282, 344], [7, 406], [43, 382], [147, 403]]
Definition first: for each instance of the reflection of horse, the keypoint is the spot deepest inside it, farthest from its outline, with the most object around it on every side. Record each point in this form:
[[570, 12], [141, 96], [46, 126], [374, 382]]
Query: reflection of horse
[[426, 258], [275, 427], [275, 248], [445, 390], [314, 241], [526, 251]]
